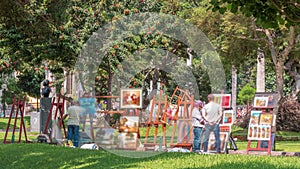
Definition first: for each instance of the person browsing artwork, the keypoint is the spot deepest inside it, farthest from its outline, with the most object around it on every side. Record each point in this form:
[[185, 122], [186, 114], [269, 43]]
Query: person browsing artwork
[[212, 113], [74, 112], [198, 124]]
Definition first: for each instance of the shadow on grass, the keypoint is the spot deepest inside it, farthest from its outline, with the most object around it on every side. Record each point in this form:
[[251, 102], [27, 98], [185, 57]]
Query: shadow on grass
[[51, 156]]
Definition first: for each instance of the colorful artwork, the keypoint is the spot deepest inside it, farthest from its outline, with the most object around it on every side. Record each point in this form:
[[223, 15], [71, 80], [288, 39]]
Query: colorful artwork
[[212, 142], [266, 118], [260, 126], [185, 129], [272, 98], [254, 118], [129, 124], [259, 132], [131, 98], [223, 99], [260, 101], [226, 101], [228, 117], [217, 99]]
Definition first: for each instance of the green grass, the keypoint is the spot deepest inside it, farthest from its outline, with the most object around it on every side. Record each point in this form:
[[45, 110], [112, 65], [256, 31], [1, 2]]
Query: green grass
[[49, 156], [4, 122], [35, 155]]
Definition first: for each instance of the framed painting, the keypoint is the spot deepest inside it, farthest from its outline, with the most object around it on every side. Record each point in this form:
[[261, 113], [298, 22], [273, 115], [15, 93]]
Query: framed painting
[[272, 98], [266, 119], [131, 98], [223, 99], [228, 117], [185, 131], [129, 124], [212, 142], [226, 100], [259, 132], [261, 101], [254, 118]]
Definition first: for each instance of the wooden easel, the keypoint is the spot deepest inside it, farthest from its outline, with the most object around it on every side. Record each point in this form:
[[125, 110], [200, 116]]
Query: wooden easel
[[185, 128], [123, 113], [267, 108], [59, 107], [20, 105], [160, 120], [258, 146]]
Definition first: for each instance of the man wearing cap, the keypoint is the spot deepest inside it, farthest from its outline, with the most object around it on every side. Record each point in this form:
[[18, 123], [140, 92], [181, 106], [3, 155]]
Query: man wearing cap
[[212, 113], [198, 124]]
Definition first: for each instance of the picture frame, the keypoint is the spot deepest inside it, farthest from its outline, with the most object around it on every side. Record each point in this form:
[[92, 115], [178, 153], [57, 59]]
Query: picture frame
[[272, 98], [212, 142], [129, 124], [254, 118], [260, 101], [226, 100], [259, 132], [266, 119], [131, 98], [223, 99], [227, 117], [185, 131]]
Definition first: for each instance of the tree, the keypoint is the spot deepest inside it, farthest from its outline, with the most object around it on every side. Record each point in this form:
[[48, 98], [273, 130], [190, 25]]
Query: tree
[[268, 14]]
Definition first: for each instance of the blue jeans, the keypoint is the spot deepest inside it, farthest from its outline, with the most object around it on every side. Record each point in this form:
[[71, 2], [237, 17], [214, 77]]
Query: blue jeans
[[73, 134], [197, 131], [208, 129]]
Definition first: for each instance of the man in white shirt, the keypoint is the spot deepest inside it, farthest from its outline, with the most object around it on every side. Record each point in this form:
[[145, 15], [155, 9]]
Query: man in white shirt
[[198, 124], [74, 113], [212, 113]]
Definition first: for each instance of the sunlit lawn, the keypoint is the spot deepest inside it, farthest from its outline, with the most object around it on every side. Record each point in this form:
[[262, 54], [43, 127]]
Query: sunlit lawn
[[50, 156], [36, 155]]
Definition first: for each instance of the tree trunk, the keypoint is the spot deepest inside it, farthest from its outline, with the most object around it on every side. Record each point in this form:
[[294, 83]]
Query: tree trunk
[[279, 58], [279, 78], [260, 74], [234, 86]]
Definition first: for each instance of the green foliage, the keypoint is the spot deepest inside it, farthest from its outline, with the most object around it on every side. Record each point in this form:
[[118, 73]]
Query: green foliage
[[246, 95], [268, 14], [12, 90], [30, 81]]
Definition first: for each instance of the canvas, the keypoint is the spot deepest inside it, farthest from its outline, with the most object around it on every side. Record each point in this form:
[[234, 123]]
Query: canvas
[[260, 101], [129, 124], [212, 142], [131, 98]]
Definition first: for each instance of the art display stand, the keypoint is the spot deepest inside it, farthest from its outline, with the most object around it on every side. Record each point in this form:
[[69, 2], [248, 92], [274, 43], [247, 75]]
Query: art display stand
[[182, 118], [128, 130], [157, 118], [58, 104], [18, 106], [262, 122]]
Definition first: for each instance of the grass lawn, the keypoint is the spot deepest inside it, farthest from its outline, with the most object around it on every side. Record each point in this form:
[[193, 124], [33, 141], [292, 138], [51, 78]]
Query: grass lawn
[[35, 155], [50, 156]]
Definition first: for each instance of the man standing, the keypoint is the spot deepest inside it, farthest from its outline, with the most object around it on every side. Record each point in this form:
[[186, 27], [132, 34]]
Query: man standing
[[74, 113], [212, 113], [198, 124]]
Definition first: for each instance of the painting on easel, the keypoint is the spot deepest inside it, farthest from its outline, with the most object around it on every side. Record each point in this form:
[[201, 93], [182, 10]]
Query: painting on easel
[[131, 98]]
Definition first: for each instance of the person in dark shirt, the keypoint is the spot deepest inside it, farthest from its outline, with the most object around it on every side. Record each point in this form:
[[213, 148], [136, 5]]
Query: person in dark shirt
[[46, 89]]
